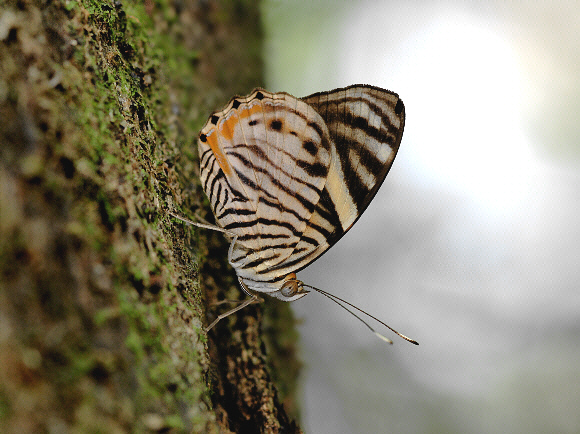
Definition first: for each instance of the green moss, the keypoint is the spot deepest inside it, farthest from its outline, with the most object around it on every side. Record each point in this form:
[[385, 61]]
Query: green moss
[[5, 406], [113, 307], [101, 124]]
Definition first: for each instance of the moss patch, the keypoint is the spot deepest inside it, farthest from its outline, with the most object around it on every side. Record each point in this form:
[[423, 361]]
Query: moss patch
[[100, 333], [100, 305]]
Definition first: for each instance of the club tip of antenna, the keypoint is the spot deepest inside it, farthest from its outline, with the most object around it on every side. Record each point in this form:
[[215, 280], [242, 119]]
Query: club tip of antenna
[[384, 338], [408, 339]]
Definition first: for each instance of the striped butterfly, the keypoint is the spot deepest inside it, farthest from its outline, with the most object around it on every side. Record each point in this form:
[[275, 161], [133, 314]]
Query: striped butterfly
[[286, 178]]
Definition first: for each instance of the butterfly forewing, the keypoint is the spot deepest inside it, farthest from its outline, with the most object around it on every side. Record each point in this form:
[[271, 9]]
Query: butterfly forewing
[[268, 141]]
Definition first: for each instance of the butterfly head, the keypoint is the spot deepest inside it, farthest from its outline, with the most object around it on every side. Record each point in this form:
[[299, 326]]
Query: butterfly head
[[292, 289]]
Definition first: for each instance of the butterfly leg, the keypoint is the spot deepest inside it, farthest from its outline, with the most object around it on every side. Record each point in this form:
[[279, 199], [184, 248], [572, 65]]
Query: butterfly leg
[[253, 299], [213, 228], [201, 225]]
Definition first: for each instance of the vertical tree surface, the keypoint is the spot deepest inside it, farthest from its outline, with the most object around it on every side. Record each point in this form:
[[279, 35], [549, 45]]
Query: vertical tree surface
[[101, 306]]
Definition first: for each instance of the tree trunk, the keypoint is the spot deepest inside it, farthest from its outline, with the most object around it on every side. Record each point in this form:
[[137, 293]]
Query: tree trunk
[[101, 301]]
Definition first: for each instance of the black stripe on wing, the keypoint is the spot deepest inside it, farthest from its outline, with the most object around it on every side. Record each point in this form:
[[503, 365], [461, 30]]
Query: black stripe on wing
[[339, 107]]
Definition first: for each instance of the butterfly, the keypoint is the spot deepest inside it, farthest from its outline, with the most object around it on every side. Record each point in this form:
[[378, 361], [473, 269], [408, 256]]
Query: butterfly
[[287, 177]]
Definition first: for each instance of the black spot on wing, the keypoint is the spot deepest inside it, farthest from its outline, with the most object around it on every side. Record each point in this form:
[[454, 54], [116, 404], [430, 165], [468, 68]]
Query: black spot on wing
[[399, 107], [276, 125], [310, 147]]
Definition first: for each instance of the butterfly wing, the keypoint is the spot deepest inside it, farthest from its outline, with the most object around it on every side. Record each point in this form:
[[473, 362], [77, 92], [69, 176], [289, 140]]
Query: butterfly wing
[[290, 177], [365, 124], [264, 164]]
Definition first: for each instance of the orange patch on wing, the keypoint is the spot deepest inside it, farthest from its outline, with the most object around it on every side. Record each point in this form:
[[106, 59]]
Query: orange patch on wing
[[249, 111], [212, 141], [228, 125], [225, 129]]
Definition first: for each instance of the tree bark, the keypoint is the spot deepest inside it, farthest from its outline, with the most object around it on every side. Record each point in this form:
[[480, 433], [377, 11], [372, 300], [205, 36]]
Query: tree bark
[[101, 301]]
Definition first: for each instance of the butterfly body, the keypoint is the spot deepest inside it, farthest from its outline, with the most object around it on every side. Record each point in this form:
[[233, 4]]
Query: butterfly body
[[287, 177]]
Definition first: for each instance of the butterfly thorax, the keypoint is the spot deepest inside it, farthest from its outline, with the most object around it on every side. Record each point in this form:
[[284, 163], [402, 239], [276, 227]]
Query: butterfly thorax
[[288, 289]]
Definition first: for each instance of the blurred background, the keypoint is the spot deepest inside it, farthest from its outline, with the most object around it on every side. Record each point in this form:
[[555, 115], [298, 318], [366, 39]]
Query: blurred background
[[472, 245]]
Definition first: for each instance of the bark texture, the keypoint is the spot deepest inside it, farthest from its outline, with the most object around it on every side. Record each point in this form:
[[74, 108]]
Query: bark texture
[[101, 307]]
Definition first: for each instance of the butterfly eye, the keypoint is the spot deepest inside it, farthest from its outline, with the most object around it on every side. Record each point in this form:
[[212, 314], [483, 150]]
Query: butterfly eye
[[290, 288]]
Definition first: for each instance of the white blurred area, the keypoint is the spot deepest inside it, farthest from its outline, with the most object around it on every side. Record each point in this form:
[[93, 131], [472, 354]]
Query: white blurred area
[[472, 245]]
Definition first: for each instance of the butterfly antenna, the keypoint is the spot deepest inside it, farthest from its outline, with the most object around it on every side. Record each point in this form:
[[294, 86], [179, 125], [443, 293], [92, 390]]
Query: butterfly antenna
[[339, 300]]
